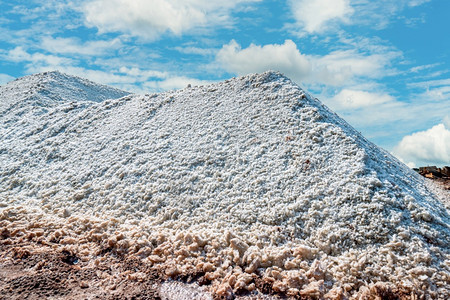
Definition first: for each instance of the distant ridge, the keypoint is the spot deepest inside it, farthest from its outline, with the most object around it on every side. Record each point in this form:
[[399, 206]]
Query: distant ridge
[[49, 87]]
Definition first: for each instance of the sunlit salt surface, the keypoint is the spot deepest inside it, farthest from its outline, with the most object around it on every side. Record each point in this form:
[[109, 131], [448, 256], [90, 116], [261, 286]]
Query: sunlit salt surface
[[244, 180]]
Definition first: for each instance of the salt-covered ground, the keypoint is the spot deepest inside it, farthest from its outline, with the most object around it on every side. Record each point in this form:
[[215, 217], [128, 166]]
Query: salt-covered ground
[[248, 185]]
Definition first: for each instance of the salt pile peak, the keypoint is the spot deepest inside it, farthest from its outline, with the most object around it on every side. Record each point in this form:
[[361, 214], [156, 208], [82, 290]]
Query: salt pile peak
[[49, 88], [251, 178]]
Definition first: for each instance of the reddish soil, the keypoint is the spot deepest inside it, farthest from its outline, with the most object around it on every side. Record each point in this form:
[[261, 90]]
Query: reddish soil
[[39, 272]]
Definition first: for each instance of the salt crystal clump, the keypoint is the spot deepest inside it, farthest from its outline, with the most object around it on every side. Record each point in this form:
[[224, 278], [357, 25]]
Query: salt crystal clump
[[246, 180]]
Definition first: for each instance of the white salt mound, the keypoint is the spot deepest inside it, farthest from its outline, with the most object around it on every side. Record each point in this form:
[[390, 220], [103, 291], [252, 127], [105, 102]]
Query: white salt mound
[[244, 179]]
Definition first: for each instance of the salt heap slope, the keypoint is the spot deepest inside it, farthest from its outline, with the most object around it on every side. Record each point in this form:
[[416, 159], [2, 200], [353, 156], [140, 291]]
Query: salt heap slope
[[31, 104], [49, 88], [248, 180]]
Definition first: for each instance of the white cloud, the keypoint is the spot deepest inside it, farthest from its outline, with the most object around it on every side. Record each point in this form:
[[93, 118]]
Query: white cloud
[[352, 61], [437, 94], [356, 99], [315, 16], [254, 59], [431, 83], [196, 50], [35, 60], [379, 14], [435, 90], [5, 78], [430, 147], [32, 10], [338, 68], [151, 18], [320, 16], [446, 121], [413, 3], [421, 68], [74, 46]]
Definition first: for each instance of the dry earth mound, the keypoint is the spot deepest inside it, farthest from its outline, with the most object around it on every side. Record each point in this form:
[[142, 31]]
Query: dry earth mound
[[248, 185]]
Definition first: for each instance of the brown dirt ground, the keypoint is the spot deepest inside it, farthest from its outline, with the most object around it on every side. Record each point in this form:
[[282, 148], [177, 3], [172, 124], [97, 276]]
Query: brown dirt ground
[[33, 272]]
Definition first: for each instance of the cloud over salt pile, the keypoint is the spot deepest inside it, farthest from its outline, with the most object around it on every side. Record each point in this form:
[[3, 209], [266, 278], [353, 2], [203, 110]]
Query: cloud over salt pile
[[244, 180]]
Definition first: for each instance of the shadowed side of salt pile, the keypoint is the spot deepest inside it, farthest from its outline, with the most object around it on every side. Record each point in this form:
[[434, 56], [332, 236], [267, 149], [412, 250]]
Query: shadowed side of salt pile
[[246, 185]]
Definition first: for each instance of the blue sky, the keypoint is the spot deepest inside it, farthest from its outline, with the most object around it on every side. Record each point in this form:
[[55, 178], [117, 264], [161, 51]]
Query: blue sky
[[382, 65]]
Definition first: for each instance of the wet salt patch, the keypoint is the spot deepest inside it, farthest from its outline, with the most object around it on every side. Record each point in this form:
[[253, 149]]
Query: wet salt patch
[[173, 290]]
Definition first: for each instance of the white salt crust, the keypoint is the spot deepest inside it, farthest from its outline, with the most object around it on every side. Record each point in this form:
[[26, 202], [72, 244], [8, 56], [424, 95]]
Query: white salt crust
[[247, 178]]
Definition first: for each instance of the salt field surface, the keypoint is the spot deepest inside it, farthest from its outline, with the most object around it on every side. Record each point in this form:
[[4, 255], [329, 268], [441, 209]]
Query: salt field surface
[[250, 185]]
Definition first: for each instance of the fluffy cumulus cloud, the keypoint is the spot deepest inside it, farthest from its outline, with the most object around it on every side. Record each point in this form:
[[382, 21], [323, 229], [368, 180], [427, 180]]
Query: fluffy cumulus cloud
[[430, 147], [338, 68], [316, 16], [285, 58], [347, 98], [343, 66], [151, 18]]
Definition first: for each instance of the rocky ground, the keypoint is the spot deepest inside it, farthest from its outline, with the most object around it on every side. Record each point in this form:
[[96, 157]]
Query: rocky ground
[[39, 272]]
